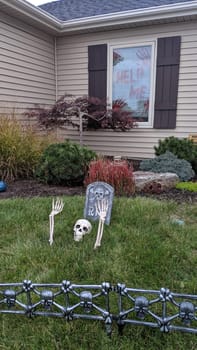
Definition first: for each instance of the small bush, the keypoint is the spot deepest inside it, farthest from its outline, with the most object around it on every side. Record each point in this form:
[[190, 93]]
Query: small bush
[[188, 186], [20, 149], [64, 164], [168, 162], [117, 174], [182, 148]]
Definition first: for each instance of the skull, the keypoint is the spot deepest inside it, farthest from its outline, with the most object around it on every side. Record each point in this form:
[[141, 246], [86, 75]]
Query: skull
[[141, 307], [186, 312], [99, 192], [82, 226]]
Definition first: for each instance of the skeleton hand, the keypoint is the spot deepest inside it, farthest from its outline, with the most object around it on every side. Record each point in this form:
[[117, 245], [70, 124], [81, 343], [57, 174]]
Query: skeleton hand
[[57, 207], [101, 209]]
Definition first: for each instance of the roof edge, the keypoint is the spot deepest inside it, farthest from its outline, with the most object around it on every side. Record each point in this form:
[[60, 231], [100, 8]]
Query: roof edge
[[134, 16], [34, 13], [52, 24]]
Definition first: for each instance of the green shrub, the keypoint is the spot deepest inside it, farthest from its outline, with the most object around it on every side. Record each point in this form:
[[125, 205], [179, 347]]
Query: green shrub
[[182, 148], [20, 149], [168, 162], [189, 186], [64, 164], [117, 174]]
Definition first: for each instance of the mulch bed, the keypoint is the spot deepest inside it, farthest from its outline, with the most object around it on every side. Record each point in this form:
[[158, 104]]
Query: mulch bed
[[32, 188]]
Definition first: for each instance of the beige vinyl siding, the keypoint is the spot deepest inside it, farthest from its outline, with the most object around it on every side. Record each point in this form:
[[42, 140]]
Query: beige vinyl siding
[[27, 68], [72, 53]]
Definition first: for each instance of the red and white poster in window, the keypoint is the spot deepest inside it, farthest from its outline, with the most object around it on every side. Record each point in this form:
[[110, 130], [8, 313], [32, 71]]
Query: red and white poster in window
[[131, 79]]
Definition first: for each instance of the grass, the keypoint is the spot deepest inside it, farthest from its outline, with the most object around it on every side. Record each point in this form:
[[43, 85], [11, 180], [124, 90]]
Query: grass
[[189, 186], [144, 247]]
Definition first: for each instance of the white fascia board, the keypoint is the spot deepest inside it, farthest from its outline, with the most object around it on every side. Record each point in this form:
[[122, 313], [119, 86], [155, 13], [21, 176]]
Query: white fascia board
[[102, 21], [135, 16]]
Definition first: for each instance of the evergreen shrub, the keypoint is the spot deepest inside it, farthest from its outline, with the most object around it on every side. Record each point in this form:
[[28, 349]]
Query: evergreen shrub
[[168, 162], [182, 148], [118, 174], [64, 164]]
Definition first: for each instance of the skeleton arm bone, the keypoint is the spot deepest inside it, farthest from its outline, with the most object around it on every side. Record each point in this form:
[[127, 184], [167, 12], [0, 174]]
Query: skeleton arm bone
[[101, 208], [51, 223], [57, 207]]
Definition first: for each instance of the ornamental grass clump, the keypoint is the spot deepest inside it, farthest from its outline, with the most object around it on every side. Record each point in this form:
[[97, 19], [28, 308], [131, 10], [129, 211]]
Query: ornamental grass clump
[[20, 149], [118, 174]]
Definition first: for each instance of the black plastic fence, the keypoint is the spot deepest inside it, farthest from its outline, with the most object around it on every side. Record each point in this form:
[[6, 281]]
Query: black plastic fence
[[161, 309]]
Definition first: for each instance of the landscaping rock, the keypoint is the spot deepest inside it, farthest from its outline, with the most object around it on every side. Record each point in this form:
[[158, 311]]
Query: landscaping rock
[[146, 181]]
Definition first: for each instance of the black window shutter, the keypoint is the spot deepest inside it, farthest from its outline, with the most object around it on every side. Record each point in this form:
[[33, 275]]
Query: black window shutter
[[167, 76], [97, 69]]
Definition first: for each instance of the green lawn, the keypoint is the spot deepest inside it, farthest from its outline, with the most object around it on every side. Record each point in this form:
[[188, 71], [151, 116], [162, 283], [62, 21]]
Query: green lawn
[[144, 247]]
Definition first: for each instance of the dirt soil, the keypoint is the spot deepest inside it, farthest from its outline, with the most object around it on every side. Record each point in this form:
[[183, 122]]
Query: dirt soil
[[32, 188]]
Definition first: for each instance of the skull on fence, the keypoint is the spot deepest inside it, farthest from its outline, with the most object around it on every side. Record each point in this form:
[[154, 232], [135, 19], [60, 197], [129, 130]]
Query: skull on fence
[[82, 226]]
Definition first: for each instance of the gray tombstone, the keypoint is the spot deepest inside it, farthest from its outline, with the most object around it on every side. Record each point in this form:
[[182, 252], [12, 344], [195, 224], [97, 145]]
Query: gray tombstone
[[98, 191]]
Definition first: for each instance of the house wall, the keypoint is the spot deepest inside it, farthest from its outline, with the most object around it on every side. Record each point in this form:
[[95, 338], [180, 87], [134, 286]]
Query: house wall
[[72, 53], [27, 70]]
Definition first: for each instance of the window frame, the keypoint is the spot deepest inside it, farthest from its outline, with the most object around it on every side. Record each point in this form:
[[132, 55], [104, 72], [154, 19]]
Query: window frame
[[121, 44]]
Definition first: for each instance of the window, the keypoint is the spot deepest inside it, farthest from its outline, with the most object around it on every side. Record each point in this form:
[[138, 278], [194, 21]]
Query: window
[[131, 79], [152, 85]]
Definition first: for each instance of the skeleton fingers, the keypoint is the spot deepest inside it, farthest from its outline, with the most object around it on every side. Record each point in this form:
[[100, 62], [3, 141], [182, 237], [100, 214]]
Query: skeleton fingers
[[57, 207], [101, 208]]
